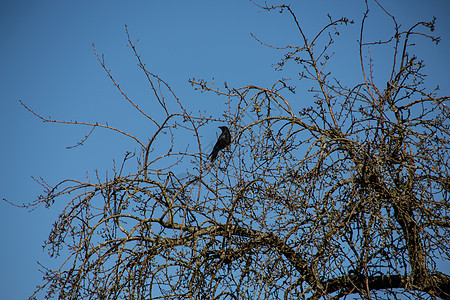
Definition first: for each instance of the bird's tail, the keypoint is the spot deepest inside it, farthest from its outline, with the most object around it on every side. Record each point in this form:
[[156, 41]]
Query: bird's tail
[[213, 155]]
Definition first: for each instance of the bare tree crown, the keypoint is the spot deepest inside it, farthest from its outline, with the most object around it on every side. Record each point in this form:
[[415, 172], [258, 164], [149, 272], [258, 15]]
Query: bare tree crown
[[347, 196]]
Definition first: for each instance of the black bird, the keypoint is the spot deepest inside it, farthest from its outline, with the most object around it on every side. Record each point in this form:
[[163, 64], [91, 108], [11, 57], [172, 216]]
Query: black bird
[[222, 142]]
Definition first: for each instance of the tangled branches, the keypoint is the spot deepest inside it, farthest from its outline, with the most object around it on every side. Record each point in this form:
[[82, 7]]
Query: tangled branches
[[348, 196]]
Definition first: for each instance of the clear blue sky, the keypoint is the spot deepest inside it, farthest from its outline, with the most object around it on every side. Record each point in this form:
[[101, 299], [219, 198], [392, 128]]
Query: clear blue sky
[[47, 61]]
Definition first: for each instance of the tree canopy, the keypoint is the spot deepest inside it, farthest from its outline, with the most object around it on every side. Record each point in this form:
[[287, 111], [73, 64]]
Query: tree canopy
[[348, 196]]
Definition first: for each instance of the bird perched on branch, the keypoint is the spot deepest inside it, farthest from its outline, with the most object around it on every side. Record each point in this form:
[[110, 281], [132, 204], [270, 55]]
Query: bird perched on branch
[[222, 142]]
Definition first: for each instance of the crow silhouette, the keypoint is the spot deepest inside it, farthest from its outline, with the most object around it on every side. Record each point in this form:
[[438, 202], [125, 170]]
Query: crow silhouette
[[222, 142]]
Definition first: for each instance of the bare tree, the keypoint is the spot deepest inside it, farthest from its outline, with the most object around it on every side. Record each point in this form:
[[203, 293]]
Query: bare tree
[[348, 196]]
